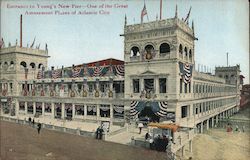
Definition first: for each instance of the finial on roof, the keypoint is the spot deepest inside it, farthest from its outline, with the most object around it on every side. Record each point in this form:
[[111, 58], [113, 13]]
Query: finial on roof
[[125, 20], [176, 11], [193, 25]]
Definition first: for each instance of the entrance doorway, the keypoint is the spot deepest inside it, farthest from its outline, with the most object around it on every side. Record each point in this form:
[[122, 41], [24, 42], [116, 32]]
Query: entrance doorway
[[148, 113]]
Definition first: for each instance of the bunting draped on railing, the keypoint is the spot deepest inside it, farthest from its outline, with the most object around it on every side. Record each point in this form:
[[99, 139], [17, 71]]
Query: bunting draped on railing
[[38, 105], [68, 106], [47, 105], [40, 74], [118, 70], [158, 108], [56, 73], [92, 108], [79, 107], [186, 71], [57, 105], [118, 108], [77, 72], [105, 108], [74, 72]]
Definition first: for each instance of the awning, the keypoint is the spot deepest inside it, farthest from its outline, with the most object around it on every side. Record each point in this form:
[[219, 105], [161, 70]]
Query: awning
[[171, 126]]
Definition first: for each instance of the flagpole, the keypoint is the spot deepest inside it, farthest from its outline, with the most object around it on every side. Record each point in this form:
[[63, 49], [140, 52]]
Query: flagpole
[[160, 9]]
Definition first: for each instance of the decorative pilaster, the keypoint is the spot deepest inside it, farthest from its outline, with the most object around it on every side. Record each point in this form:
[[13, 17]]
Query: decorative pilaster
[[53, 110], [73, 111], [43, 109], [63, 111]]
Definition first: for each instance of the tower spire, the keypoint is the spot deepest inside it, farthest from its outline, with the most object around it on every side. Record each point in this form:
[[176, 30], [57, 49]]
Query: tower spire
[[176, 11], [125, 23], [193, 25], [21, 31]]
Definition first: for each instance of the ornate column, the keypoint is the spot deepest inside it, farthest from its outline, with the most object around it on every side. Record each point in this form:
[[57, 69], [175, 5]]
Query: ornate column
[[207, 124], [111, 113], [17, 108], [191, 146], [43, 109], [73, 111], [63, 111], [26, 107], [34, 108], [98, 111], [53, 110], [157, 85], [201, 127], [85, 111]]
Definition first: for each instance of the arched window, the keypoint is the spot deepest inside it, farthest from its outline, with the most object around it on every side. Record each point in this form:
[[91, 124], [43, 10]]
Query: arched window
[[134, 51], [220, 76], [6, 63], [186, 51], [32, 65], [11, 63], [190, 53], [180, 49], [149, 48], [226, 76], [40, 65], [23, 64], [164, 48]]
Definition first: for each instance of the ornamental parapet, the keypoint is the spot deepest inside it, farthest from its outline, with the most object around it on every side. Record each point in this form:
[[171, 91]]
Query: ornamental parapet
[[25, 50]]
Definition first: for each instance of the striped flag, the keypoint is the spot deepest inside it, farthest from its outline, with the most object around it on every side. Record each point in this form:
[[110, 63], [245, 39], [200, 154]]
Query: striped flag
[[1, 43], [143, 12]]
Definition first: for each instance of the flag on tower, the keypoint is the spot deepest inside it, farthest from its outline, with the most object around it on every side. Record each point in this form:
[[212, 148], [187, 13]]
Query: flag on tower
[[33, 43], [143, 12], [186, 19], [1, 43]]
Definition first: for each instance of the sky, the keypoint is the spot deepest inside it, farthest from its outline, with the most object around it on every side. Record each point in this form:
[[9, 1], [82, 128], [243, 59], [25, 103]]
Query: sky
[[220, 25]]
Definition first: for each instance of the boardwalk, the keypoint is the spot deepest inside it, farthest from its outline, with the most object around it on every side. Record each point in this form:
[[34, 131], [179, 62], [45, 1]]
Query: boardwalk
[[23, 143]]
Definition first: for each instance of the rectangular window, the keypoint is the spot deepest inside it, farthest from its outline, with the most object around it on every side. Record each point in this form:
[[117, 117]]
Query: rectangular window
[[184, 111], [162, 83], [136, 85], [149, 84], [116, 86], [189, 87], [186, 87], [180, 85]]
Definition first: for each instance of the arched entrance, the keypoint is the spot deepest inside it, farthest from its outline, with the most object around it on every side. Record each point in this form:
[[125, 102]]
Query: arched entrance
[[147, 112]]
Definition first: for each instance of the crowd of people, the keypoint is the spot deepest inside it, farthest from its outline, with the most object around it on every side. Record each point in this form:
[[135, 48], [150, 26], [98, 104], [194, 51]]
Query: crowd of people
[[157, 142], [237, 129]]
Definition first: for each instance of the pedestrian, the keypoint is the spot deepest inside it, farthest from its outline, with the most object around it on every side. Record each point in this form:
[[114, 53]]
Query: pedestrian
[[147, 136], [243, 129], [237, 128], [97, 133], [33, 122], [29, 120], [39, 126], [101, 133], [140, 126]]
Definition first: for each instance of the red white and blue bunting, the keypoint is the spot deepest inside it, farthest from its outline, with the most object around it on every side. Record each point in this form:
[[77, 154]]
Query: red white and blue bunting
[[186, 72], [133, 111], [158, 108]]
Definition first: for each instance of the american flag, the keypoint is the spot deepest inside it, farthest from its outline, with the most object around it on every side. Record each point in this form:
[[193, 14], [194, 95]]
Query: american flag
[[76, 72], [56, 74], [1, 43], [143, 12]]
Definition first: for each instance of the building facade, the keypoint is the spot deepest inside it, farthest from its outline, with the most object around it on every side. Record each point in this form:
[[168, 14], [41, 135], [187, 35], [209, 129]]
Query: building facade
[[157, 80]]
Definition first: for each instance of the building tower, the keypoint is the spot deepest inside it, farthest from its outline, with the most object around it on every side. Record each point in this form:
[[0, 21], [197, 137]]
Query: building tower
[[153, 52]]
